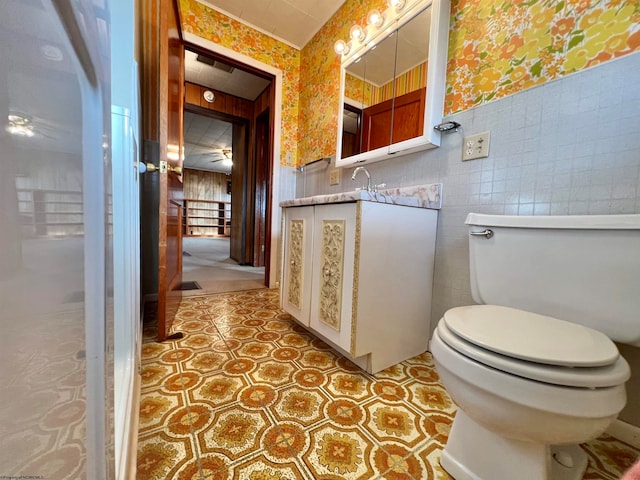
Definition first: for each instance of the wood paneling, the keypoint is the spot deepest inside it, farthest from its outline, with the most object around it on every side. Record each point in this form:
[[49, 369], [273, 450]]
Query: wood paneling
[[224, 103], [201, 185], [263, 102], [202, 188]]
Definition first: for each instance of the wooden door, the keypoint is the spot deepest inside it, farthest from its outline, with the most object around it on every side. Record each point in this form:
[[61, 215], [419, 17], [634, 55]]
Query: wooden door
[[163, 85]]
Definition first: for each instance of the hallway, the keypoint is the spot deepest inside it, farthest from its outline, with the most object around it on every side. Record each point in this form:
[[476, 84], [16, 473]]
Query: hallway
[[250, 394], [205, 260]]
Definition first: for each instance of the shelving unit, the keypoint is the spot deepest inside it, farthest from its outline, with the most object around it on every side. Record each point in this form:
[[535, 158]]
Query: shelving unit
[[51, 212], [206, 218]]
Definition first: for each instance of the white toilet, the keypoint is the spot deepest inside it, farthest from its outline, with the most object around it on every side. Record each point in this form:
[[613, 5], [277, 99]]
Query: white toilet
[[533, 369]]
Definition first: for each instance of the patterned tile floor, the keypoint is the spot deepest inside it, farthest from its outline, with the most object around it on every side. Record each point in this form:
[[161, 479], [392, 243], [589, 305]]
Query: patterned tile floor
[[249, 394]]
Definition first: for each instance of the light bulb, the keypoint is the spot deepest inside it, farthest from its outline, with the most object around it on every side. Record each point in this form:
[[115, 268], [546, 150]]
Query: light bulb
[[375, 18], [341, 47], [357, 33], [397, 4]]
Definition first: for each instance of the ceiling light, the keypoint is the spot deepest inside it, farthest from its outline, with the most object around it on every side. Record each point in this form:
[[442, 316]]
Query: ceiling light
[[19, 125], [51, 52]]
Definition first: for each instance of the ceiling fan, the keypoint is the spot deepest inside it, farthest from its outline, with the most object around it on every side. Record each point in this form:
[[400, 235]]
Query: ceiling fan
[[225, 156]]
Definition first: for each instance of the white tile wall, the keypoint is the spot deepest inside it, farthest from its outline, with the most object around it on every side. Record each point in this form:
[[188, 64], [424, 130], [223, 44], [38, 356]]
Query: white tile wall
[[571, 146]]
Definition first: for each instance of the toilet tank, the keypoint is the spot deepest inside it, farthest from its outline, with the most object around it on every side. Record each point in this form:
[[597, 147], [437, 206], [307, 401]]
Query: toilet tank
[[583, 268]]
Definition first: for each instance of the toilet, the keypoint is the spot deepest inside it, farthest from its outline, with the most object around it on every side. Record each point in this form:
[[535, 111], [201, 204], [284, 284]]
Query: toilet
[[533, 368]]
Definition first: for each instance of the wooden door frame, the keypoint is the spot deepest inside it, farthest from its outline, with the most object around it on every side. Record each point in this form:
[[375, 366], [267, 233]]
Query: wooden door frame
[[192, 40], [250, 234], [245, 124], [262, 190]]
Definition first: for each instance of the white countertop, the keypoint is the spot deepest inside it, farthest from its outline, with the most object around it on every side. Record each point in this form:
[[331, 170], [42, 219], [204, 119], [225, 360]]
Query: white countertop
[[420, 196]]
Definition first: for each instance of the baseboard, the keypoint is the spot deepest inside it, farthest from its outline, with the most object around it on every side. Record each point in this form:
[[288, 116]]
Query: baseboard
[[626, 432], [132, 453]]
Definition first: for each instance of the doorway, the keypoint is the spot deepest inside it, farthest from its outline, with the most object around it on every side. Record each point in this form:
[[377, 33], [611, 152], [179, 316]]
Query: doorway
[[227, 176]]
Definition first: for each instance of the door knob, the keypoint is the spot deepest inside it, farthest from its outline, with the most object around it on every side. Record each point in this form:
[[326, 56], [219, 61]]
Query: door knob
[[163, 168], [147, 167]]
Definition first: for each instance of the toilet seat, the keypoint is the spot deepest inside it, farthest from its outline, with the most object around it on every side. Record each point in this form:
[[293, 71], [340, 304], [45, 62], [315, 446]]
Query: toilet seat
[[534, 346]]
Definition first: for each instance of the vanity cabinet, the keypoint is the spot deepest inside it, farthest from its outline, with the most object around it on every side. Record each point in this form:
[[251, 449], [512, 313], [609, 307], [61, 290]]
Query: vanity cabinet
[[359, 275]]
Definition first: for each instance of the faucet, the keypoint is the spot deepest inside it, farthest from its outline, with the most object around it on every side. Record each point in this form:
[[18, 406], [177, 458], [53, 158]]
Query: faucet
[[366, 172]]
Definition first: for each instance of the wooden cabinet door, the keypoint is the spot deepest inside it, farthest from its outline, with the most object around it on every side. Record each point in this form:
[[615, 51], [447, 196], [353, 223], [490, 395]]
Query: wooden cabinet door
[[296, 273], [334, 263]]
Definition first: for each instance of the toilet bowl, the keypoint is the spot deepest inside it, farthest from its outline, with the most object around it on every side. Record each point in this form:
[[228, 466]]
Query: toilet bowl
[[528, 384], [532, 405]]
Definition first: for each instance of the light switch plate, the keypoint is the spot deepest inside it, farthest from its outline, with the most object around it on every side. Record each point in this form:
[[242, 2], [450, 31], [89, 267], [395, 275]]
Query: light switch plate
[[334, 177], [476, 146]]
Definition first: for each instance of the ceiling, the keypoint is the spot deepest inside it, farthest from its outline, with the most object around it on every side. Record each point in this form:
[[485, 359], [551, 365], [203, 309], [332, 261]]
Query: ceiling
[[293, 21], [205, 139], [237, 82]]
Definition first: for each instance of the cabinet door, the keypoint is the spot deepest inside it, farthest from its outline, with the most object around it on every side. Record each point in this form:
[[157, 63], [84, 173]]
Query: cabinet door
[[333, 269], [296, 270]]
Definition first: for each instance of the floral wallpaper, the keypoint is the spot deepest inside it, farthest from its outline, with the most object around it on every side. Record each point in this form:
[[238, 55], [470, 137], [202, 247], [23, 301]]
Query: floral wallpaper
[[496, 48], [320, 80], [500, 47], [218, 28], [358, 90]]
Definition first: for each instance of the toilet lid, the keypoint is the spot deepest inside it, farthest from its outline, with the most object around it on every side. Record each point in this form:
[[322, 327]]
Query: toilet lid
[[586, 377], [531, 337]]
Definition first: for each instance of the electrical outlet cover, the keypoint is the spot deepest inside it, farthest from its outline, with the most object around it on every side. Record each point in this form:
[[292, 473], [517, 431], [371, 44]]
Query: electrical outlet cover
[[334, 177], [476, 146]]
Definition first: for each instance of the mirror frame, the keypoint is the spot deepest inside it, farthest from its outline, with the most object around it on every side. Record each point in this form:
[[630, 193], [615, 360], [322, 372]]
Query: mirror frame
[[436, 79]]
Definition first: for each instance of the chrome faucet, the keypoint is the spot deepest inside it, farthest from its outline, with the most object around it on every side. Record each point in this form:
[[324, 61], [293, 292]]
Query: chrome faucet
[[366, 172]]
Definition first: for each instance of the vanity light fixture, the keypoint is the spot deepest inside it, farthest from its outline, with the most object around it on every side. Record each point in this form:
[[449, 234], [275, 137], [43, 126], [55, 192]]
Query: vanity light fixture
[[357, 33], [374, 23], [375, 18]]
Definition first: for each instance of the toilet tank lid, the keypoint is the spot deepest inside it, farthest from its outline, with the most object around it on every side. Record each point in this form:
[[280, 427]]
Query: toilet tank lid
[[587, 222]]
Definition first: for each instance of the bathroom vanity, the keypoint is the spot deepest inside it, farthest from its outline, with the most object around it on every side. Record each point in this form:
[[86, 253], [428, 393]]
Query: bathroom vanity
[[358, 271]]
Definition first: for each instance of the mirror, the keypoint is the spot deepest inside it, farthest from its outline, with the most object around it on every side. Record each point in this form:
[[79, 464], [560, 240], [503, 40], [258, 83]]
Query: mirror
[[392, 87]]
